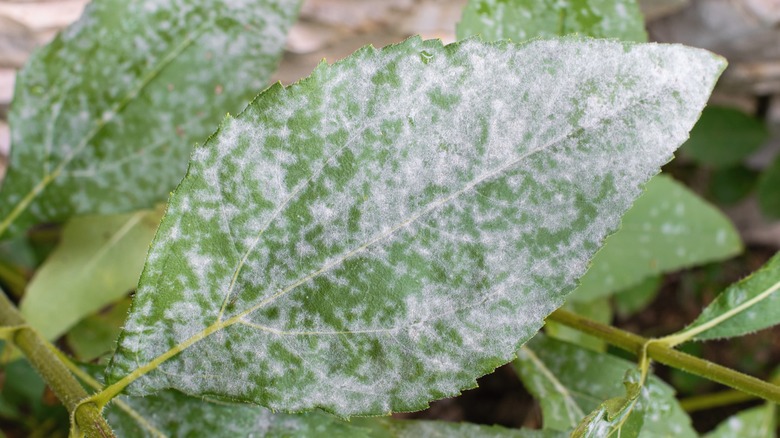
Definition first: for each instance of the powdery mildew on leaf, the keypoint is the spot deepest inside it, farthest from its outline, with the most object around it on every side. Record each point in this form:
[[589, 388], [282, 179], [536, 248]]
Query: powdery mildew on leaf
[[171, 413], [398, 224], [105, 116], [521, 20]]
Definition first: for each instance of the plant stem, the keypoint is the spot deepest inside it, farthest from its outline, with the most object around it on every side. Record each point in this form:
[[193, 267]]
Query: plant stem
[[716, 400], [56, 375], [669, 356]]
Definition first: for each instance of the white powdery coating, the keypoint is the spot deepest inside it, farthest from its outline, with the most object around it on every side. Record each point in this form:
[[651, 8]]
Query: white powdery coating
[[520, 20], [400, 222], [112, 107]]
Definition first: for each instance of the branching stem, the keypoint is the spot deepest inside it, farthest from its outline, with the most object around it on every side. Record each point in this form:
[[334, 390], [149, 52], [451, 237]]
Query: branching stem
[[669, 356]]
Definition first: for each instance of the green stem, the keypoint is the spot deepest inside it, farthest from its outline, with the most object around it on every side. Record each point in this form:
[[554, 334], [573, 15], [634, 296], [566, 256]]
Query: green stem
[[56, 375], [669, 356], [716, 400]]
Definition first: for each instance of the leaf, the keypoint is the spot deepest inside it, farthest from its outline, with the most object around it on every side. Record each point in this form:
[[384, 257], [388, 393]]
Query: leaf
[[382, 233], [97, 262], [769, 190], [96, 335], [668, 228], [758, 422], [747, 306], [172, 413], [729, 185], [392, 428], [632, 300], [559, 407], [104, 117], [562, 375], [521, 20], [724, 137]]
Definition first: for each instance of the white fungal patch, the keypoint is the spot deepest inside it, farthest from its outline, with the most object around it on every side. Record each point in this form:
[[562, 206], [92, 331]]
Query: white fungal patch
[[421, 219], [520, 20], [121, 101]]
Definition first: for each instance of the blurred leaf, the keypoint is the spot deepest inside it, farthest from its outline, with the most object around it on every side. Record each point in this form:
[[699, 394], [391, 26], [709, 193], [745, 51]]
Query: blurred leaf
[[97, 262], [724, 137], [730, 185], [412, 230], [668, 228], [23, 397], [758, 422], [520, 20], [96, 335], [559, 408], [104, 117], [632, 300], [769, 190], [560, 373], [598, 310], [757, 294]]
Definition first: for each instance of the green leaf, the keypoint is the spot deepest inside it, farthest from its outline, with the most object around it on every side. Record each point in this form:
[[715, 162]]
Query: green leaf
[[758, 422], [632, 300], [724, 137], [732, 184], [668, 228], [104, 117], [559, 407], [96, 335], [97, 262], [521, 20], [744, 307], [562, 375], [386, 231], [769, 190], [172, 413]]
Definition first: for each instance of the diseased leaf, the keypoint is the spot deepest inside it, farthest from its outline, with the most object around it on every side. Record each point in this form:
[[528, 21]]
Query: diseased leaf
[[724, 137], [769, 190], [758, 422], [758, 294], [521, 20], [668, 228], [174, 414], [562, 375], [84, 140], [97, 262], [382, 233], [391, 428]]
